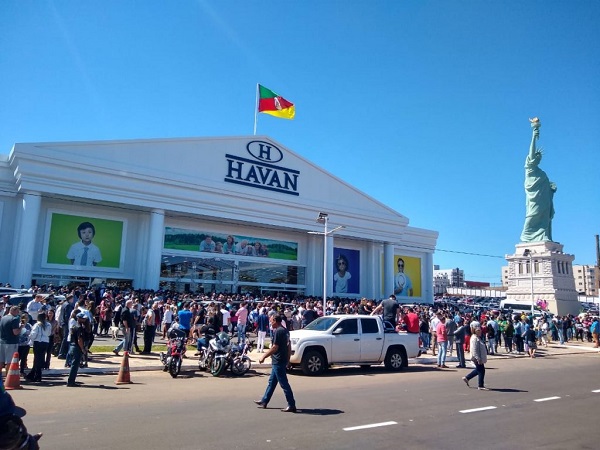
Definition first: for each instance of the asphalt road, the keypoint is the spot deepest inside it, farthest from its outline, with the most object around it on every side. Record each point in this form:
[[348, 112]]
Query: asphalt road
[[545, 403]]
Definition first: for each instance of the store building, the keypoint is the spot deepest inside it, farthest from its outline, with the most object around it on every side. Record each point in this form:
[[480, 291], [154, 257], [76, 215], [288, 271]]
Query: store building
[[230, 214]]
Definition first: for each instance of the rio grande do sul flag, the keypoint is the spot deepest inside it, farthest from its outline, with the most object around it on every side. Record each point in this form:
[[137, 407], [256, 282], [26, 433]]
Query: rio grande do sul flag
[[271, 103]]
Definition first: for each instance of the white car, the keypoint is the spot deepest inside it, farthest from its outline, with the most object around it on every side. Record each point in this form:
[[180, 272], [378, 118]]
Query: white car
[[351, 340]]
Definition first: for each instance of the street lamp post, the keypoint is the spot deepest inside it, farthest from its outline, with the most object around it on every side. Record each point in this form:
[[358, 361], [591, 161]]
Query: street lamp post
[[529, 253], [324, 219]]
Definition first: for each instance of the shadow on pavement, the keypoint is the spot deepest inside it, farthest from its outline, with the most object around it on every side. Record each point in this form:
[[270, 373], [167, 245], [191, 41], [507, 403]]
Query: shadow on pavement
[[319, 411], [516, 391]]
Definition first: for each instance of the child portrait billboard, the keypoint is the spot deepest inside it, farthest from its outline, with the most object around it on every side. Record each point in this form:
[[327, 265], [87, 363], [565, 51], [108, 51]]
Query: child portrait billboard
[[84, 242], [346, 271]]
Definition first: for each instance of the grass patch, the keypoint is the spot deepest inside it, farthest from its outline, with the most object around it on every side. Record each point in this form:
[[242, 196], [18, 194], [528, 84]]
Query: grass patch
[[109, 348]]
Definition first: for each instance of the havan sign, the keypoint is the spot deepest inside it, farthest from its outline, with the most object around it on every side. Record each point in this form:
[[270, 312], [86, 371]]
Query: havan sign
[[262, 171]]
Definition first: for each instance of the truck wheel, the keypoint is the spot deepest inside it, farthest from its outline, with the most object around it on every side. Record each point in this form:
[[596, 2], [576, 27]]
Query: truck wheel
[[395, 359], [313, 363]]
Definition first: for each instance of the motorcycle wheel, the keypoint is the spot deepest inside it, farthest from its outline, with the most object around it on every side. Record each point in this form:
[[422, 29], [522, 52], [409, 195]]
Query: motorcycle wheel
[[202, 363], [240, 366], [217, 366], [175, 366]]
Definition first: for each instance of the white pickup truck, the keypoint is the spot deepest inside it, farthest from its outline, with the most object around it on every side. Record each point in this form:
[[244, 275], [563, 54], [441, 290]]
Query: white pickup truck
[[351, 340]]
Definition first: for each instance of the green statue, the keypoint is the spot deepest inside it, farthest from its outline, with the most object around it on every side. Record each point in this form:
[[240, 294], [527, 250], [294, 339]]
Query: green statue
[[539, 194]]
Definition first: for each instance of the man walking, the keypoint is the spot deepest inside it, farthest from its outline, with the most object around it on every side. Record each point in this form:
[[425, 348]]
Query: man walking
[[10, 329], [128, 328], [76, 348], [150, 329], [63, 321], [280, 353]]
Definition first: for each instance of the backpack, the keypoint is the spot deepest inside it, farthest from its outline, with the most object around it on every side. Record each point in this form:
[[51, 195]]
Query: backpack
[[491, 333]]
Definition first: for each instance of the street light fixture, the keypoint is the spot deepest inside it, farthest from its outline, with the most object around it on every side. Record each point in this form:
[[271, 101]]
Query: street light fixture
[[324, 219], [529, 253]]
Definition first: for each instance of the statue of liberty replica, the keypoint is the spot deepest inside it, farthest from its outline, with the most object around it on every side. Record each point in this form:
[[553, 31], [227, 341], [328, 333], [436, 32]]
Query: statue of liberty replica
[[540, 274], [539, 194]]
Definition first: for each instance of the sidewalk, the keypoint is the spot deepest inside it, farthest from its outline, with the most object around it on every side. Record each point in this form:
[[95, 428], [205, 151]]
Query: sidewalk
[[109, 363]]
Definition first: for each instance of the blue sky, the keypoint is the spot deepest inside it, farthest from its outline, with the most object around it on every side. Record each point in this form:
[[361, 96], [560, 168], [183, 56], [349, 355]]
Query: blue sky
[[422, 105]]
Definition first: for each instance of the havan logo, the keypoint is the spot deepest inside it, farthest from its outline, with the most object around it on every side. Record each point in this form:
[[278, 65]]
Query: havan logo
[[263, 174]]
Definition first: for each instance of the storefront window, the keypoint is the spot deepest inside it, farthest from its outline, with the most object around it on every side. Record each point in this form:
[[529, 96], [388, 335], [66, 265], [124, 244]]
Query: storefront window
[[269, 273], [204, 275]]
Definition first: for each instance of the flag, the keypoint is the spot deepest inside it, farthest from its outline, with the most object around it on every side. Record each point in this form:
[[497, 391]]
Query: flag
[[271, 103]]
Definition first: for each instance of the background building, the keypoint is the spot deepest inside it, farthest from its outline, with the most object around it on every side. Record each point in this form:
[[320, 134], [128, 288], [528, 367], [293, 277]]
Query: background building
[[586, 279], [449, 277]]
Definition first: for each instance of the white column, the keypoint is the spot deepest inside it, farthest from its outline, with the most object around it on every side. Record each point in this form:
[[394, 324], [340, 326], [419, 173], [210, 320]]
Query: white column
[[155, 247], [314, 261], [371, 272], [388, 269], [427, 278], [26, 236]]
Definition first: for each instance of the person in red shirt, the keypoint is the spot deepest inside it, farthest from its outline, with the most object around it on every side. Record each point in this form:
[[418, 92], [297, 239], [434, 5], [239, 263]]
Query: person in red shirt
[[412, 321], [442, 340]]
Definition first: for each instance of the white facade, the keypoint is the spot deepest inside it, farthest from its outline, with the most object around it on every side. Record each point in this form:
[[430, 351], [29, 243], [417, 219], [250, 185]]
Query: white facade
[[242, 186]]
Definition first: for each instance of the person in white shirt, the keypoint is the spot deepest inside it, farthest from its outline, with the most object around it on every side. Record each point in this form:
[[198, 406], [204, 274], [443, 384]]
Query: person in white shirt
[[34, 307], [226, 318], [40, 336]]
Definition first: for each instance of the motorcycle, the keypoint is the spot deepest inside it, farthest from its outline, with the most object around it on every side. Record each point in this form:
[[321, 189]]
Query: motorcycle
[[176, 348], [221, 355], [238, 360], [213, 358]]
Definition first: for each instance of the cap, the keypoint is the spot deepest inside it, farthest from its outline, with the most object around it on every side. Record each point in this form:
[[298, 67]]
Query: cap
[[7, 405], [81, 316]]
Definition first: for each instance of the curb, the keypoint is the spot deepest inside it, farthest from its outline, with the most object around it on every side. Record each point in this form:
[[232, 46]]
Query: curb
[[426, 359]]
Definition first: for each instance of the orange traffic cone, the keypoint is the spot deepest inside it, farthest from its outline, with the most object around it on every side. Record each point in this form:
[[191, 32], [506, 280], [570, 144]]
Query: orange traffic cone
[[13, 379], [123, 377]]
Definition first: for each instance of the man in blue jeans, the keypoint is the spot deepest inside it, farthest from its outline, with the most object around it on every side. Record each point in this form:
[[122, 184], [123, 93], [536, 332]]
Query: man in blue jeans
[[63, 320], [280, 353], [76, 348]]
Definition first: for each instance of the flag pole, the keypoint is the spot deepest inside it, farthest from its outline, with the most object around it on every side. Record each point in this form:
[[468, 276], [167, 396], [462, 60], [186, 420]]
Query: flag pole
[[256, 109]]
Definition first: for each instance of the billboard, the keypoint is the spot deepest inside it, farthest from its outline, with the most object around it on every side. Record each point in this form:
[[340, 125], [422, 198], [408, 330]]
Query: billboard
[[346, 271], [84, 242], [407, 276], [209, 242]]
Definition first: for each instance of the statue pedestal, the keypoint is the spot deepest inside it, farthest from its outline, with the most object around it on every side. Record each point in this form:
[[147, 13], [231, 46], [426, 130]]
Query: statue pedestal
[[552, 278]]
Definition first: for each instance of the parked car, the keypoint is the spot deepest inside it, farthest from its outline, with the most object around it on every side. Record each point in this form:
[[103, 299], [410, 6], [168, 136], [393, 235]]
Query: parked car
[[348, 339]]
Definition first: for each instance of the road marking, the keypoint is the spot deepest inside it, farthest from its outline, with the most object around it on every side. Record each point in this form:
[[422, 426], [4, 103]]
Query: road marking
[[485, 408], [371, 425], [546, 399], [597, 390]]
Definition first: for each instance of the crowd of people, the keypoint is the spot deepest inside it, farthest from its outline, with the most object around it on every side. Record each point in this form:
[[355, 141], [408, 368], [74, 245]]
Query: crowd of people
[[63, 323]]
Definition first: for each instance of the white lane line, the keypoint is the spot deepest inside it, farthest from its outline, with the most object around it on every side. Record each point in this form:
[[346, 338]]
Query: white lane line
[[546, 399], [371, 425], [485, 408], [597, 390]]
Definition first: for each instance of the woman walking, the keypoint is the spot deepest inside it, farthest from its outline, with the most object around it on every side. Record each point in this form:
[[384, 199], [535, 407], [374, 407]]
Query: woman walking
[[54, 341], [40, 336], [479, 358], [24, 343]]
